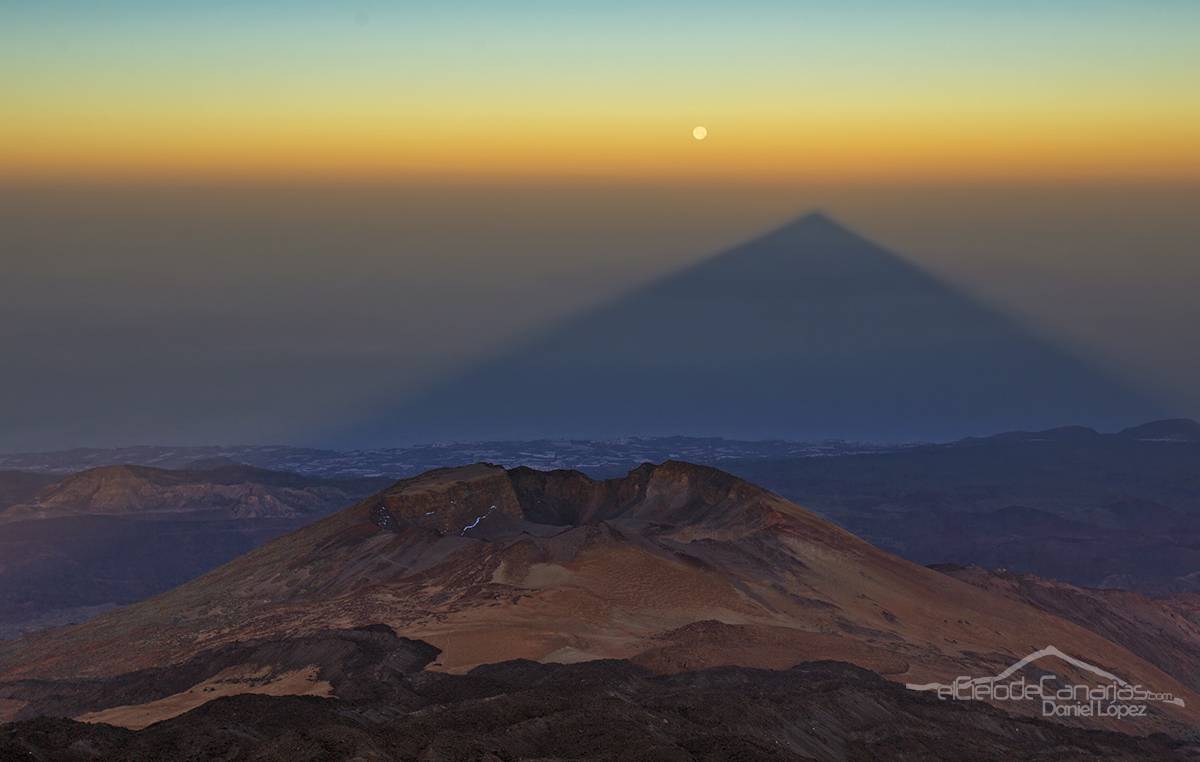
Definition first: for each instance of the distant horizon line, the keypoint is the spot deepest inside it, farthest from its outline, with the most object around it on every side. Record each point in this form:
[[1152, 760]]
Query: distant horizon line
[[898, 443]]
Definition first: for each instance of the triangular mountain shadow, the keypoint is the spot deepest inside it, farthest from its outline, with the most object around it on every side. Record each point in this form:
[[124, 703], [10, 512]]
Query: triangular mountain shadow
[[809, 331]]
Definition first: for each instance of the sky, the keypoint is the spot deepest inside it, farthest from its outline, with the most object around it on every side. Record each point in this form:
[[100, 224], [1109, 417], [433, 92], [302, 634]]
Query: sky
[[896, 90], [244, 222]]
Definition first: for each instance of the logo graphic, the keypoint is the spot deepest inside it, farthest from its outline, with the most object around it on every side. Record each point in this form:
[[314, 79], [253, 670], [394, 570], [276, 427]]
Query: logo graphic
[[1114, 697]]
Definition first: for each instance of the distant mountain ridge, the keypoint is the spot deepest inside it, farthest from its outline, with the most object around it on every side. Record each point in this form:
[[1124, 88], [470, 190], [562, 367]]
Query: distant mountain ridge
[[1177, 430], [229, 489], [606, 457], [807, 332], [597, 457], [73, 546], [1117, 509]]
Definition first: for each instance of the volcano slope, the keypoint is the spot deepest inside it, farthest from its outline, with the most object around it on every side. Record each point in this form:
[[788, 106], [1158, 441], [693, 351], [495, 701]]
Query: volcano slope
[[674, 567], [1163, 630]]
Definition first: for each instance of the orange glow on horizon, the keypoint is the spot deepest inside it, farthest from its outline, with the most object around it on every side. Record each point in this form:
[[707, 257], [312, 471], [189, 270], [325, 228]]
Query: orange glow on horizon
[[802, 151]]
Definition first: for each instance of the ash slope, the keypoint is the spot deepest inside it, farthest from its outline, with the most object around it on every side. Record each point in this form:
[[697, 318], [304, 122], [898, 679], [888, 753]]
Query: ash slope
[[675, 567], [807, 332]]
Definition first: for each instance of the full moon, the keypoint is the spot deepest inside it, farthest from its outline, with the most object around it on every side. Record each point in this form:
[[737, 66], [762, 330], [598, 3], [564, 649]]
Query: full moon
[[700, 133]]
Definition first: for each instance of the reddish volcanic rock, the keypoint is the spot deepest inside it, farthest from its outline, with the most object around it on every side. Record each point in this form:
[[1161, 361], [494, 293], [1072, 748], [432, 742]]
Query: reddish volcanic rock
[[675, 566]]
